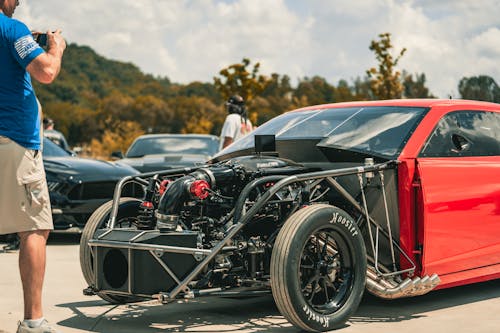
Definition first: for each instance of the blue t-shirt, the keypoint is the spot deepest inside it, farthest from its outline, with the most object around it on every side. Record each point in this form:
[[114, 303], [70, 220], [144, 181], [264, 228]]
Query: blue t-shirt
[[19, 112]]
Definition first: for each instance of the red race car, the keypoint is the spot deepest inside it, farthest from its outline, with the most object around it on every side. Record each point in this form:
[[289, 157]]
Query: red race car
[[396, 197]]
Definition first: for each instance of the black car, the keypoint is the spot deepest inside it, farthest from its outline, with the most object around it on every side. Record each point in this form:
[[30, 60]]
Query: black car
[[77, 186], [154, 152]]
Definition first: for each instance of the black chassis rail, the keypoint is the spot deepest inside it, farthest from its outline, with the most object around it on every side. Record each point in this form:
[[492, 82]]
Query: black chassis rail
[[240, 220]]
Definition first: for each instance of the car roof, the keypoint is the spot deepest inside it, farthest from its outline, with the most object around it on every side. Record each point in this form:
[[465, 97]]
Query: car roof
[[169, 135], [404, 102]]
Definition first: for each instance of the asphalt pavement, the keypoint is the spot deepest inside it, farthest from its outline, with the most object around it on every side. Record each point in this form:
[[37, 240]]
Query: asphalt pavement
[[474, 308]]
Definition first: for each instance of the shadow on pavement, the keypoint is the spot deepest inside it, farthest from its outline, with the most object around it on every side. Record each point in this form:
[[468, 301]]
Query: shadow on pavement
[[63, 239], [255, 314], [201, 315], [373, 309]]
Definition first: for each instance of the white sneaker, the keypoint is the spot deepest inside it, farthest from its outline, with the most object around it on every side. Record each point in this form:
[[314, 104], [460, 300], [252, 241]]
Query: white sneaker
[[43, 328]]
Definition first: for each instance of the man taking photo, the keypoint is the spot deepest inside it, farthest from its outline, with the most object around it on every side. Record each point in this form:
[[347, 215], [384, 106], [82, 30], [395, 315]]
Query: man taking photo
[[24, 199]]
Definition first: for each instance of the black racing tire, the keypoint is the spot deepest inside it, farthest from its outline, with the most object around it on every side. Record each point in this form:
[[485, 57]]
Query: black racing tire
[[316, 286], [127, 210]]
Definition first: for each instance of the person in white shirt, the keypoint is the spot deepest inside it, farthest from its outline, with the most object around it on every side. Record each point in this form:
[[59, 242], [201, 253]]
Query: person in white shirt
[[236, 124]]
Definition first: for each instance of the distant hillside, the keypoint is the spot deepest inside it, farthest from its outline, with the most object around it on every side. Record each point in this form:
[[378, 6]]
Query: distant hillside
[[87, 77]]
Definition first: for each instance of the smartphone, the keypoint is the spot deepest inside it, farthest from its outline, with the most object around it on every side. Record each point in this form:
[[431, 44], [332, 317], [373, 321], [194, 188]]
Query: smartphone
[[41, 39]]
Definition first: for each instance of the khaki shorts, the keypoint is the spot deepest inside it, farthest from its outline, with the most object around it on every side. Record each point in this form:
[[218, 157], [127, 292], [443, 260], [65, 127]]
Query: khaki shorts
[[24, 196]]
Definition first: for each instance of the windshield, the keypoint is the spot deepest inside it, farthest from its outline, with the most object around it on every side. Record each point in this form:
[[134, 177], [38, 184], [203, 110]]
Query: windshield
[[373, 130], [178, 145], [50, 149]]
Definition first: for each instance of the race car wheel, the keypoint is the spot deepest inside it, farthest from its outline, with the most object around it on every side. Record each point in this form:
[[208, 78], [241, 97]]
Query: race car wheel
[[127, 213], [318, 268]]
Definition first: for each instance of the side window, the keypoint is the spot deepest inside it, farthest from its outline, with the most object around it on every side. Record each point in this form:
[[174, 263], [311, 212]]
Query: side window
[[465, 133]]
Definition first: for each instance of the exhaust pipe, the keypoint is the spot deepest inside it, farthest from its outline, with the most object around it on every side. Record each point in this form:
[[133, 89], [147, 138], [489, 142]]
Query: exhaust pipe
[[387, 289]]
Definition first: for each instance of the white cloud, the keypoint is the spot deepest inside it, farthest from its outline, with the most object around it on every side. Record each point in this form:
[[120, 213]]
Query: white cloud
[[189, 40]]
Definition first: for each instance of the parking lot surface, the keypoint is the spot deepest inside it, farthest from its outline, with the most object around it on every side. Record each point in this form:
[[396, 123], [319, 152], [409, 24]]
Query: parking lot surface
[[474, 308]]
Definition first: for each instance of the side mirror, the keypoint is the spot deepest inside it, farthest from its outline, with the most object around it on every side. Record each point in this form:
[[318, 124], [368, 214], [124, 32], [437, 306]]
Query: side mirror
[[117, 155]]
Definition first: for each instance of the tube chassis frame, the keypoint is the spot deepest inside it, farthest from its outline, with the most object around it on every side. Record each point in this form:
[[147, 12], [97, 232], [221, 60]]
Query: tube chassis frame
[[203, 256]]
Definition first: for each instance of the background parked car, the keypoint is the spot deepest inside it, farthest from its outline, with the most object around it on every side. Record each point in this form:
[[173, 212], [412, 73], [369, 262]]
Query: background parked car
[[77, 186], [154, 152]]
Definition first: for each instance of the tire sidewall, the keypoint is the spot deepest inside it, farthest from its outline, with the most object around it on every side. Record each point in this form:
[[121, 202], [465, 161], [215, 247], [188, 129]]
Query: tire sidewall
[[340, 222]]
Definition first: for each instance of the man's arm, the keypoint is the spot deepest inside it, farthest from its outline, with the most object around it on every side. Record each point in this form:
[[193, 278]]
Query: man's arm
[[45, 67]]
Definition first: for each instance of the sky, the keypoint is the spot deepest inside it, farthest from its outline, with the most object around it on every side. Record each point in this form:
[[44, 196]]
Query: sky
[[192, 40]]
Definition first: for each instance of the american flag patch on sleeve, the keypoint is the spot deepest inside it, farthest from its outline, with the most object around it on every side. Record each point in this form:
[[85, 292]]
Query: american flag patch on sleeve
[[25, 45]]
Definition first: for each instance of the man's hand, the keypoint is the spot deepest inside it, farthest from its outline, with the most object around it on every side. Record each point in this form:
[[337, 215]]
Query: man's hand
[[55, 41], [47, 65]]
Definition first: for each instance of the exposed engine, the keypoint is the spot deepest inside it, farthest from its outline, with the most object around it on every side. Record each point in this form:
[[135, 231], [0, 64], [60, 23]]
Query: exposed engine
[[206, 202]]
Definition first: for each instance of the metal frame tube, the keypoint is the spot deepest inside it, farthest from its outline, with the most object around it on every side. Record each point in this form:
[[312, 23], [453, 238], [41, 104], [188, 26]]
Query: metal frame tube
[[147, 247]]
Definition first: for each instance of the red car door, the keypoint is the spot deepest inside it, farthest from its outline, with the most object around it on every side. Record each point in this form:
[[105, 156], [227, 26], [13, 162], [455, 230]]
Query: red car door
[[459, 169]]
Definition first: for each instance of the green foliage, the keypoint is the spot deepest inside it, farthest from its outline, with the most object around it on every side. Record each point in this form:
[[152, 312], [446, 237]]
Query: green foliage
[[315, 90], [385, 81], [481, 88], [415, 88], [275, 99]]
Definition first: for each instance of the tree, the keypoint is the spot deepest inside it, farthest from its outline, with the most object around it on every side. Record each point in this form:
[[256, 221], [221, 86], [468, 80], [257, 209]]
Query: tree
[[237, 79], [200, 89], [385, 81], [152, 113], [343, 92], [480, 88], [362, 89], [415, 88], [316, 90], [117, 137], [275, 99], [195, 115]]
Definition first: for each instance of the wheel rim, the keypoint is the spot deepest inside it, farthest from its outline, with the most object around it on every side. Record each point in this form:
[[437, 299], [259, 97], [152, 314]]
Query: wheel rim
[[326, 273]]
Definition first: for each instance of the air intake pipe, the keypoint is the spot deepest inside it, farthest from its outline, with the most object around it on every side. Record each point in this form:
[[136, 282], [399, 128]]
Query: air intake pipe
[[186, 188]]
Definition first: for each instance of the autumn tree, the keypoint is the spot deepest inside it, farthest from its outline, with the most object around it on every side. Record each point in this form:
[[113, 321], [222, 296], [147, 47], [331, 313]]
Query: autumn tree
[[117, 137], [480, 88], [385, 80], [117, 105], [74, 121], [240, 79], [152, 113], [196, 115], [343, 93]]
